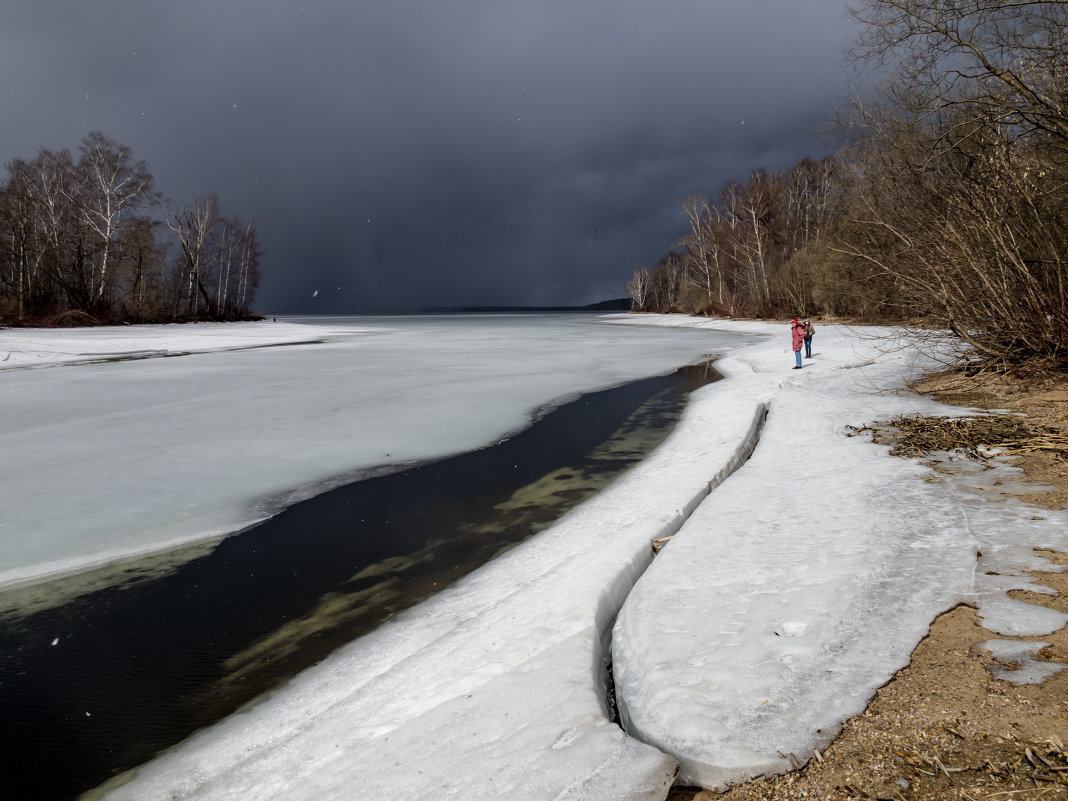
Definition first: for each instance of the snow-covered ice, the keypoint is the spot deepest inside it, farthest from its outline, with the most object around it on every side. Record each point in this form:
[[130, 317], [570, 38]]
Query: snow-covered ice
[[57, 347], [205, 429], [805, 566]]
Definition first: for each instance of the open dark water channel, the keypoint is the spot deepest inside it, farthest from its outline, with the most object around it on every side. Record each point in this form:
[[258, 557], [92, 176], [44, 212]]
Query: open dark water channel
[[113, 677]]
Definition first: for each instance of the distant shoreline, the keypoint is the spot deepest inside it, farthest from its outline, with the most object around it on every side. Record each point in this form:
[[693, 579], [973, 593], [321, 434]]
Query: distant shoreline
[[77, 319], [617, 304]]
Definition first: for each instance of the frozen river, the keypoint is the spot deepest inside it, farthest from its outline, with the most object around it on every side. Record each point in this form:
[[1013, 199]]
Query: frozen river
[[100, 670], [805, 563], [137, 439]]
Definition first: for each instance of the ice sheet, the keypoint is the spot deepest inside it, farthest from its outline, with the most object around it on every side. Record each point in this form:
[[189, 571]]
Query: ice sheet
[[1017, 662], [118, 451], [57, 347]]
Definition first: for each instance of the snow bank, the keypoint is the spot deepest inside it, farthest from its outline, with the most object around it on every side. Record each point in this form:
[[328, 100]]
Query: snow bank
[[804, 582]]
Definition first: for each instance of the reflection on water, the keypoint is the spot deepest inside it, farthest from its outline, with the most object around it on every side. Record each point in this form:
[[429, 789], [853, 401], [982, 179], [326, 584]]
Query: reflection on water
[[104, 682]]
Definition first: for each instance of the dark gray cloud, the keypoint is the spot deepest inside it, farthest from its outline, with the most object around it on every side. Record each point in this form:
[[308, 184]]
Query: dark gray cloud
[[433, 152]]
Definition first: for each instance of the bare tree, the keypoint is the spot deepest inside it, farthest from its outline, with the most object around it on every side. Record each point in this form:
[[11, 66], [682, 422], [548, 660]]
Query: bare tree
[[143, 292], [193, 224], [957, 191], [248, 268], [228, 250], [237, 266], [638, 289], [705, 253], [749, 212], [809, 187], [63, 236], [109, 186], [78, 236], [667, 282], [1003, 59], [20, 230]]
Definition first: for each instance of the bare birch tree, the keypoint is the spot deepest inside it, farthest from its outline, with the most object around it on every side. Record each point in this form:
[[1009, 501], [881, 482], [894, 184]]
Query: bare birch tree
[[110, 185], [705, 253], [638, 289], [248, 268], [20, 226], [79, 237], [193, 224]]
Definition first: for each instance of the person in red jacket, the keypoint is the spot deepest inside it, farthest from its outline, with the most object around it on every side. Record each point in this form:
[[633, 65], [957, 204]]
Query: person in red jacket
[[797, 331]]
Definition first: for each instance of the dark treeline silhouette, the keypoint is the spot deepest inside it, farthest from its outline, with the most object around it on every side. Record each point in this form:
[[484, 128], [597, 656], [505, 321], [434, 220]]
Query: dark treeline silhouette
[[80, 244], [947, 208]]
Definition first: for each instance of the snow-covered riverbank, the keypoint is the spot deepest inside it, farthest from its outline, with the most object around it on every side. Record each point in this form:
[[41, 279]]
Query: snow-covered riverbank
[[790, 592], [805, 581]]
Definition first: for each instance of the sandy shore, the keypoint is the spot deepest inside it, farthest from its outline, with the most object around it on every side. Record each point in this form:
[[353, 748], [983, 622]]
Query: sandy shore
[[943, 727]]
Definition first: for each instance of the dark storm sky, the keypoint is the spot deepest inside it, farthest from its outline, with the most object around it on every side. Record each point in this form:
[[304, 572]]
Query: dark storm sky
[[411, 153]]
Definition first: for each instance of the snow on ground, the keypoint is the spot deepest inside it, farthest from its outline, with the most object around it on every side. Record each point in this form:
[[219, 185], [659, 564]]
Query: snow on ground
[[115, 451], [804, 582], [798, 581]]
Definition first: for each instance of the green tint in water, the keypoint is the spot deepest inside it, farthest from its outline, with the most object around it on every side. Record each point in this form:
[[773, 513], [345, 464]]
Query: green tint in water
[[159, 654], [384, 588]]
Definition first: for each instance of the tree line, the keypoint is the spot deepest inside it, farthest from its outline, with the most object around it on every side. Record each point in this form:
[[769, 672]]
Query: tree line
[[946, 207], [89, 239]]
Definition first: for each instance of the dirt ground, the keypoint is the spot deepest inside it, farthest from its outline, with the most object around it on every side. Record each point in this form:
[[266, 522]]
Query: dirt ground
[[943, 727]]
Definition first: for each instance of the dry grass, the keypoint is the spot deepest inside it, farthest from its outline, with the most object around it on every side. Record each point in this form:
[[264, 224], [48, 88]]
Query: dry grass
[[975, 437]]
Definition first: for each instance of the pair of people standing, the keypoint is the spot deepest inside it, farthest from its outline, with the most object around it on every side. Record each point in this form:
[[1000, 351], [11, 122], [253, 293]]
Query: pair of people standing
[[801, 333]]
